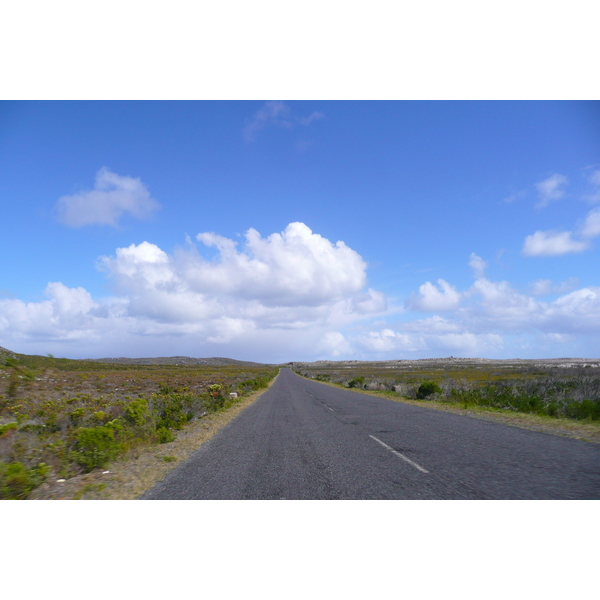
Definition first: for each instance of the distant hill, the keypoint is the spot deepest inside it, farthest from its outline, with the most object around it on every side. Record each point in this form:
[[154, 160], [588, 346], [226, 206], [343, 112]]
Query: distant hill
[[215, 361]]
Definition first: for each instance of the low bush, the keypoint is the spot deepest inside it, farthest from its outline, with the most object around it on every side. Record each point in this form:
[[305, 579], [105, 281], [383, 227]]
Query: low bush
[[17, 481], [357, 382], [7, 427], [95, 447], [136, 412], [428, 388]]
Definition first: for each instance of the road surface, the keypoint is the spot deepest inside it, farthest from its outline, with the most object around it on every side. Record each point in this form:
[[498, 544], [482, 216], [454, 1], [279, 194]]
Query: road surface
[[305, 440]]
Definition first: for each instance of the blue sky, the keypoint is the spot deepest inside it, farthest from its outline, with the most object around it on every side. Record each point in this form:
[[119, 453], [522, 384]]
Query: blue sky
[[300, 230]]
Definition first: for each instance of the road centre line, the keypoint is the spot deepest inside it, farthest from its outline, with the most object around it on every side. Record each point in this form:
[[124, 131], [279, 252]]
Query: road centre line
[[323, 403], [410, 462]]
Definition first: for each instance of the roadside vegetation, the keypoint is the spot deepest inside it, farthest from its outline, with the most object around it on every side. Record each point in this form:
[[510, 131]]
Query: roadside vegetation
[[60, 418], [560, 392]]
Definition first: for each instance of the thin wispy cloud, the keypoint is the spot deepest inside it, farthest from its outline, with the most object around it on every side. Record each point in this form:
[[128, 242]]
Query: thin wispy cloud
[[478, 265], [112, 197], [550, 190], [276, 114], [593, 196], [514, 196], [544, 287]]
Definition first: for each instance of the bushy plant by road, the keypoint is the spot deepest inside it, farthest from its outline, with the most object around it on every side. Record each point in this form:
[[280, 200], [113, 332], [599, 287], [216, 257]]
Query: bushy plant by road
[[357, 382], [428, 388], [17, 481]]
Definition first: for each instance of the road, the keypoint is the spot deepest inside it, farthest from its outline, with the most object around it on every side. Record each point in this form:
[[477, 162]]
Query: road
[[305, 440]]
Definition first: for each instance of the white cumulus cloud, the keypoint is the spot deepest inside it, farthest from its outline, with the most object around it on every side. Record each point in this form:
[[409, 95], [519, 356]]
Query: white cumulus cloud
[[112, 197], [433, 298], [552, 243], [591, 226], [282, 296]]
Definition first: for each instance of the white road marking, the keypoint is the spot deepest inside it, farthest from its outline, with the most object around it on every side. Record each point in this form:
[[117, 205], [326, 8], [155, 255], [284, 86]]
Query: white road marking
[[323, 403], [410, 462]]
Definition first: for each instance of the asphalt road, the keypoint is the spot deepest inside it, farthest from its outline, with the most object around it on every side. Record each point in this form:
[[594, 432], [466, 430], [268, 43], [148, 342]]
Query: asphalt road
[[305, 440]]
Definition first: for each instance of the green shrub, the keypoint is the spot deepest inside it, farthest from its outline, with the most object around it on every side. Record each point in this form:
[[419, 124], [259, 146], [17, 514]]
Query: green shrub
[[215, 399], [357, 382], [77, 415], [7, 427], [323, 377], [171, 410], [137, 411], [165, 435], [95, 447], [427, 388], [17, 481]]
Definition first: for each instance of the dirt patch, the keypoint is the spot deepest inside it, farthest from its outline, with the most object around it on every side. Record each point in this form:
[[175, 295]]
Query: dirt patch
[[132, 475]]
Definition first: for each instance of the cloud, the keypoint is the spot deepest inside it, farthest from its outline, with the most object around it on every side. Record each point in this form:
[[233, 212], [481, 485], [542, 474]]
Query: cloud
[[490, 313], [478, 265], [550, 190], [432, 344], [112, 197], [432, 298], [594, 196], [591, 226], [544, 287], [314, 116], [280, 296], [514, 196], [66, 315], [295, 268], [552, 243], [277, 114]]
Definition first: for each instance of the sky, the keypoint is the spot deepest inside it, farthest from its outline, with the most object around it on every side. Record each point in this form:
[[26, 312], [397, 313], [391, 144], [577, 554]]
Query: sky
[[281, 231]]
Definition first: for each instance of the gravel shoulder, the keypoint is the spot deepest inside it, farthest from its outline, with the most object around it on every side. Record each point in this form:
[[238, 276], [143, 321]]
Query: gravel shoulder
[[138, 471]]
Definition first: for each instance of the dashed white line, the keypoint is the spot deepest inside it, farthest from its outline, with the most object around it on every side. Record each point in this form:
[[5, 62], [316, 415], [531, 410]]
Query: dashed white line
[[410, 462], [331, 409]]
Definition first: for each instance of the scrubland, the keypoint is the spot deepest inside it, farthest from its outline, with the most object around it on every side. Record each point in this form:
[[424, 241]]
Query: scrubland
[[561, 390], [61, 418]]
